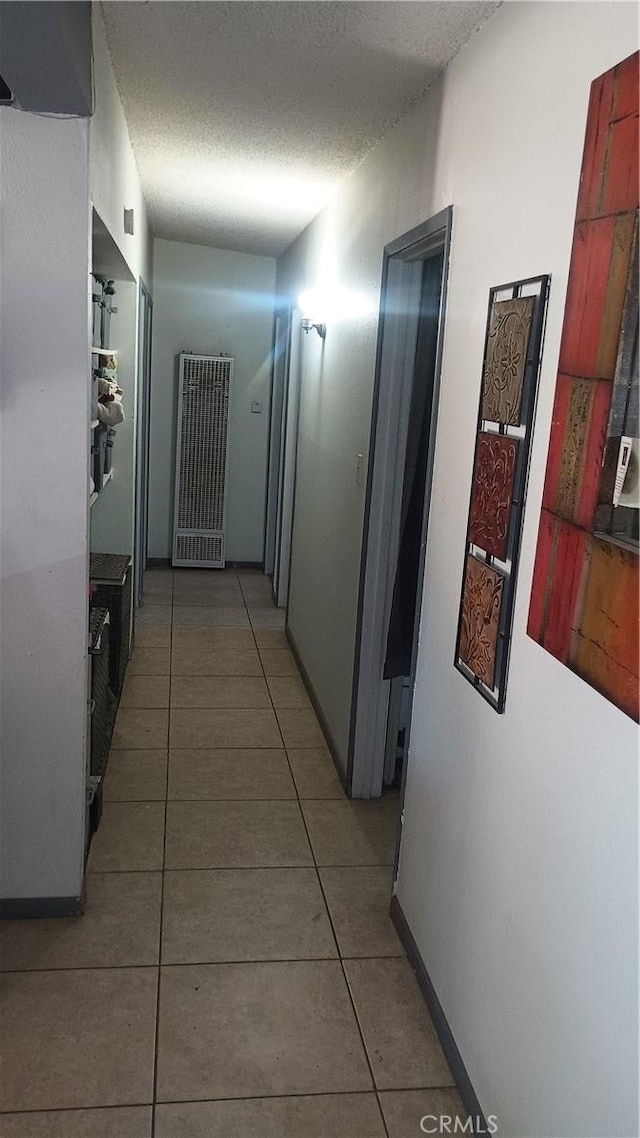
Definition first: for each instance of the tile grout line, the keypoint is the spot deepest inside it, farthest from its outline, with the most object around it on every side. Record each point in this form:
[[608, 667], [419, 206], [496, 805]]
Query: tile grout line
[[202, 798], [189, 963], [352, 1002], [315, 867], [326, 905], [244, 1098], [334, 935], [215, 868], [154, 1085], [243, 747], [341, 960]]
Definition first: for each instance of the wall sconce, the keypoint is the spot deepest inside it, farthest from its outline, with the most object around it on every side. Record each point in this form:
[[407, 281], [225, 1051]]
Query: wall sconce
[[313, 304], [332, 303], [308, 324]]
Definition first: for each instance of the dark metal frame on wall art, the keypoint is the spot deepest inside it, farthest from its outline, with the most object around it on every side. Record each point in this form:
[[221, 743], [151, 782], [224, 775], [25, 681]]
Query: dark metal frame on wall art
[[510, 370]]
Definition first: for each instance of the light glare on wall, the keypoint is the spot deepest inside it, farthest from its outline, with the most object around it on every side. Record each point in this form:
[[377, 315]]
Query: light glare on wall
[[312, 304], [329, 304]]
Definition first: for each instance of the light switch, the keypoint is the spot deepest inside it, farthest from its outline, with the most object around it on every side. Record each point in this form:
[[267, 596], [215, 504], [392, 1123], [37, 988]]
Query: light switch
[[256, 407]]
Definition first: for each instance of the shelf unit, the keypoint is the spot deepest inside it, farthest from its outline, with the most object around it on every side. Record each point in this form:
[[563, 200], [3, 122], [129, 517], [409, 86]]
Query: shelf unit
[[96, 493], [94, 423], [109, 528]]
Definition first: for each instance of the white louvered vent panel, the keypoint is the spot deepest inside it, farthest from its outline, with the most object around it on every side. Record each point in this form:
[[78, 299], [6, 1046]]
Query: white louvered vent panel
[[201, 460], [195, 548]]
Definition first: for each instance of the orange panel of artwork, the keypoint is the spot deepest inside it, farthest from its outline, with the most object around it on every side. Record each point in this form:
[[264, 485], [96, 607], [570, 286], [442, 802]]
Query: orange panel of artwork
[[584, 597]]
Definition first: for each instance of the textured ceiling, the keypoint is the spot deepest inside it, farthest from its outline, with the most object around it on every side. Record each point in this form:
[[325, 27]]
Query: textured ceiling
[[244, 117]]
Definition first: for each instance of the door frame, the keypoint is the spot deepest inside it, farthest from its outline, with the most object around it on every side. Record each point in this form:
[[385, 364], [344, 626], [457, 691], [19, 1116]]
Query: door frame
[[395, 365], [281, 338], [145, 323], [287, 485]]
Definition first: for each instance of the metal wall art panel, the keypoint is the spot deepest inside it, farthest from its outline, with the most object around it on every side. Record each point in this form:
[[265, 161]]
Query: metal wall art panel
[[482, 595], [492, 493], [584, 595], [510, 370], [505, 359]]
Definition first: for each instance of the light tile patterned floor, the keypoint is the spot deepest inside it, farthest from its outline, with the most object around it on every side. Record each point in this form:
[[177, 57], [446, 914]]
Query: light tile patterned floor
[[235, 972]]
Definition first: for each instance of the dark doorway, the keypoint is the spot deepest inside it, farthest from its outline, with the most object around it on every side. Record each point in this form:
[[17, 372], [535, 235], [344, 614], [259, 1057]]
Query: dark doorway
[[397, 507]]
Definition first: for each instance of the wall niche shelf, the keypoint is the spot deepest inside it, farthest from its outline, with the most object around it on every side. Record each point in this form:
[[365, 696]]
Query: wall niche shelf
[[93, 498]]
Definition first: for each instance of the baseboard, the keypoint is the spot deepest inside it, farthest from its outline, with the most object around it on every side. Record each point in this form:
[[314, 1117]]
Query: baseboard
[[39, 908], [165, 563], [443, 1031], [333, 750]]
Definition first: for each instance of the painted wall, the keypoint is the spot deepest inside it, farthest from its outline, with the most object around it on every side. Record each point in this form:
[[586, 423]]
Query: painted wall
[[115, 186], [45, 56], [518, 867], [113, 174], [44, 440], [211, 301]]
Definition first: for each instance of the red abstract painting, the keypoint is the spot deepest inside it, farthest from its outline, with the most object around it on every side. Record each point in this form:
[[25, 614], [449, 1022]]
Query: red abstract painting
[[584, 598], [492, 493]]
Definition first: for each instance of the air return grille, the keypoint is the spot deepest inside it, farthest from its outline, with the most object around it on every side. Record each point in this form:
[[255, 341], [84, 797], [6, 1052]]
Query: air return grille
[[201, 460]]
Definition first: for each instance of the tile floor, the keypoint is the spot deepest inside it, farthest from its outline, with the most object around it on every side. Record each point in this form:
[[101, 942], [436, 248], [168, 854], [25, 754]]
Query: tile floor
[[235, 972]]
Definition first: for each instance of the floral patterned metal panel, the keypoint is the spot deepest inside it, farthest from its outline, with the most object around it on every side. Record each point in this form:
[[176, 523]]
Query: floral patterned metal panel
[[505, 359], [492, 493], [480, 620], [510, 369]]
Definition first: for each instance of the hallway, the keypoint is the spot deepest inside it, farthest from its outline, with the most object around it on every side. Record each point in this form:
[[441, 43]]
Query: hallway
[[221, 224], [283, 1004]]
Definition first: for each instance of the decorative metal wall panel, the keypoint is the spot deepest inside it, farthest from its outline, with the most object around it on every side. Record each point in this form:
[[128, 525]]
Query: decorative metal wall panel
[[482, 594], [510, 369], [492, 493], [584, 595], [505, 359]]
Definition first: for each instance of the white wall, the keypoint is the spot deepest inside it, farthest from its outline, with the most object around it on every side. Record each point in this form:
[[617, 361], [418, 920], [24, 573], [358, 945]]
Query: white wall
[[113, 174], [115, 186], [385, 197], [49, 168], [44, 439], [518, 868], [211, 301]]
